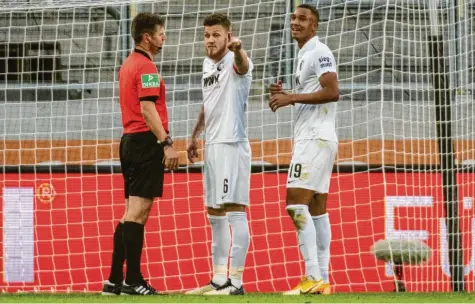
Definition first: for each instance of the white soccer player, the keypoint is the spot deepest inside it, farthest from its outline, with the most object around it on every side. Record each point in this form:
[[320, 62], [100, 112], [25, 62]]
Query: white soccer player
[[227, 76], [315, 147]]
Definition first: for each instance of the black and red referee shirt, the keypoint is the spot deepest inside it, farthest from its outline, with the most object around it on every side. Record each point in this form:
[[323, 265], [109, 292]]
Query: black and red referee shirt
[[139, 80]]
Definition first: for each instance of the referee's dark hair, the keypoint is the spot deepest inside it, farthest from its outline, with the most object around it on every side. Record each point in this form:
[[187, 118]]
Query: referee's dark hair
[[217, 19], [313, 9], [145, 23]]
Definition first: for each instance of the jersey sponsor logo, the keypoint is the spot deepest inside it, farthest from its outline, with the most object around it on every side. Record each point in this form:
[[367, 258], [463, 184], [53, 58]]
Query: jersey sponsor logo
[[325, 62], [211, 80], [150, 81]]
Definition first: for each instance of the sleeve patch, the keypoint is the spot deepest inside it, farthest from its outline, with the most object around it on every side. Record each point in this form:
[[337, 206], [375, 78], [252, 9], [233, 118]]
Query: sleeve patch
[[150, 81], [324, 62]]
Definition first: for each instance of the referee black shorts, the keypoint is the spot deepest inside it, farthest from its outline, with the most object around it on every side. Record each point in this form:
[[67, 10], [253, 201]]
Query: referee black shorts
[[141, 161]]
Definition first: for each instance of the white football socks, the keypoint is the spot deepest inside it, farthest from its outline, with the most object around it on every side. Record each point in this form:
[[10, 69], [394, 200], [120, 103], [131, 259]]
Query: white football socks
[[221, 240], [307, 239], [240, 244], [324, 236]]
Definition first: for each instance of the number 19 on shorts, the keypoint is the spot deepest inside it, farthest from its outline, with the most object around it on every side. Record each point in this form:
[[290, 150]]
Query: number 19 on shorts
[[295, 171]]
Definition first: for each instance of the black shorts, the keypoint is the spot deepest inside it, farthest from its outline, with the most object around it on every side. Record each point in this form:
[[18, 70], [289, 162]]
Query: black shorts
[[141, 161]]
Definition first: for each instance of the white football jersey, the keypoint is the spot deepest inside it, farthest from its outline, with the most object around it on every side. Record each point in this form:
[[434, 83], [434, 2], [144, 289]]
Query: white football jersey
[[314, 121], [225, 95]]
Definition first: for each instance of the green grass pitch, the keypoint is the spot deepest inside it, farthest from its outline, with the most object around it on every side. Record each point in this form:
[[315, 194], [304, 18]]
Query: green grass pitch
[[248, 298]]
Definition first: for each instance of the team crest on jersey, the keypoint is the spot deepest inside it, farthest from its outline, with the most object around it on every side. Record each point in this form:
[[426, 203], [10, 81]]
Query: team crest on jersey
[[220, 66]]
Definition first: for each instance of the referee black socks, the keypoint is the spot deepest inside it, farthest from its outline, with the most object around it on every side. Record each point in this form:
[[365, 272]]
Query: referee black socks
[[133, 234], [118, 256]]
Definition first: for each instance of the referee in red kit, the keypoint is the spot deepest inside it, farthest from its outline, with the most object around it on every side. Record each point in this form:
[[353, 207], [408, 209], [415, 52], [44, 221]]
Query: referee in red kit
[[146, 150]]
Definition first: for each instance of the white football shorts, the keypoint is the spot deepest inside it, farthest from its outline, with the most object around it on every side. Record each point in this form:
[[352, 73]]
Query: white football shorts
[[227, 173], [312, 165]]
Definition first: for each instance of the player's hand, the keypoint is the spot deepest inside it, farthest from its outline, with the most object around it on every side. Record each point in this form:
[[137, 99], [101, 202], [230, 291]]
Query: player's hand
[[280, 100], [235, 44], [171, 158], [276, 88], [192, 150]]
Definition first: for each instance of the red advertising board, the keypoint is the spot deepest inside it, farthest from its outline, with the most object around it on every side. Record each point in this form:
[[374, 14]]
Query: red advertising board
[[75, 216]]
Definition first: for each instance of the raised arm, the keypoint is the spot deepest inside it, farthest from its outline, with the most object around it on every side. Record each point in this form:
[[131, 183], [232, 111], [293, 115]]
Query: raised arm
[[241, 62]]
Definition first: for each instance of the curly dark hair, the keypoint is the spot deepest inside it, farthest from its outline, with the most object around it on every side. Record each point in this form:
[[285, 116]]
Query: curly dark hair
[[217, 19], [145, 23]]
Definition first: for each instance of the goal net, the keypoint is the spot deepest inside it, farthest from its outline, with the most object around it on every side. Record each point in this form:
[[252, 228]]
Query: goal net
[[61, 190]]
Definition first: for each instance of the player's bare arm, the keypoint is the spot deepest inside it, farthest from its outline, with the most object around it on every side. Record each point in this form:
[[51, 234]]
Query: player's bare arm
[[328, 93], [153, 121], [240, 57], [199, 127]]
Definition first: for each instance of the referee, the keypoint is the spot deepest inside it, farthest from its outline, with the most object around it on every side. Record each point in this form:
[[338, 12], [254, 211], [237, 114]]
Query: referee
[[145, 151]]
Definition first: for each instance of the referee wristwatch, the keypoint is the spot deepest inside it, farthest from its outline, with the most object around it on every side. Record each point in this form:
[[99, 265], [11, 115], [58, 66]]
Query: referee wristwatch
[[167, 142]]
